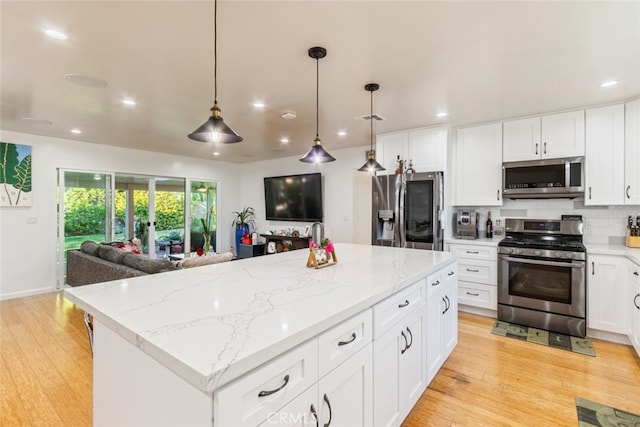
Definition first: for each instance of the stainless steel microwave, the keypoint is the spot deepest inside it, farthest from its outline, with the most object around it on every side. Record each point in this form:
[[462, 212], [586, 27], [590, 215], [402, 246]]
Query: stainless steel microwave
[[538, 179]]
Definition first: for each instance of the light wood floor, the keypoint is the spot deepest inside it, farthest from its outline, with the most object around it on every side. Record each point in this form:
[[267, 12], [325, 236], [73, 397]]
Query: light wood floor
[[45, 374]]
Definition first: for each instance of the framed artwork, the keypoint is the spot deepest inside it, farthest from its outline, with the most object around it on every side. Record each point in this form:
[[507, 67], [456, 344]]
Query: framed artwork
[[15, 175]]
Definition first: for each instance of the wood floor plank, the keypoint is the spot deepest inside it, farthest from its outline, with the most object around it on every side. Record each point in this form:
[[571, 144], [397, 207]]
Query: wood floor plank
[[46, 374]]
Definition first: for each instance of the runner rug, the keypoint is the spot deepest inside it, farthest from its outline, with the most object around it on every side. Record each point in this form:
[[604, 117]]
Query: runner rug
[[540, 336], [595, 414]]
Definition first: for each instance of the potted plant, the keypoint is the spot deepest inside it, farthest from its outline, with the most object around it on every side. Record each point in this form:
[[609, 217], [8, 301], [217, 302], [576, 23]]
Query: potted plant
[[242, 221], [207, 225]]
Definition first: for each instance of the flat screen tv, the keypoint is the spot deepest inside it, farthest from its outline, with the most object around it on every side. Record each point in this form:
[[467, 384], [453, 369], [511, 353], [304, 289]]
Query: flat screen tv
[[294, 197]]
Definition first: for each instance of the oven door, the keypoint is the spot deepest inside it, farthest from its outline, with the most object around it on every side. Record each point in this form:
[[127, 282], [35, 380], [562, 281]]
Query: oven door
[[541, 284]]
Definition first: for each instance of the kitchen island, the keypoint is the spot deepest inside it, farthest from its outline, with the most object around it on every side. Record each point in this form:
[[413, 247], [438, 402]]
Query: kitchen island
[[232, 343]]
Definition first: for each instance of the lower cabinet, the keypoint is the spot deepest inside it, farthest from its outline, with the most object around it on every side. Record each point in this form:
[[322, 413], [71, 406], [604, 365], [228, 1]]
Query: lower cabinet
[[606, 286], [399, 368], [633, 295], [442, 333]]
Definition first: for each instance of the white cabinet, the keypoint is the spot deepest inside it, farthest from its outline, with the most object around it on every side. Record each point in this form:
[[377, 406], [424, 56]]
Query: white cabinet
[[632, 153], [425, 147], [633, 304], [478, 166], [399, 367], [442, 318], [548, 137], [477, 274], [605, 154], [606, 293]]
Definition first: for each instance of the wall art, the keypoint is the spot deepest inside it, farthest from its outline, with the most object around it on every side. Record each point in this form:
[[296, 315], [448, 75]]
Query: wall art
[[15, 174]]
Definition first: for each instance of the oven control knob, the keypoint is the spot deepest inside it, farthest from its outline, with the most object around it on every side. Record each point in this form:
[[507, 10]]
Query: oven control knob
[[537, 252], [569, 255], [508, 250]]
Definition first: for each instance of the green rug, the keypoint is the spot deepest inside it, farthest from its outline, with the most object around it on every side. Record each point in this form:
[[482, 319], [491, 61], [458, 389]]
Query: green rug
[[595, 414], [540, 336]]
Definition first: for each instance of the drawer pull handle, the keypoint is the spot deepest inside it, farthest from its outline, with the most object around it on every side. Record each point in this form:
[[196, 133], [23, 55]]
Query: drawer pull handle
[[627, 191], [410, 336], [471, 270], [436, 283], [635, 273], [270, 392], [406, 346], [404, 304], [326, 399], [451, 273], [634, 301], [472, 294], [315, 414], [472, 252], [349, 341]]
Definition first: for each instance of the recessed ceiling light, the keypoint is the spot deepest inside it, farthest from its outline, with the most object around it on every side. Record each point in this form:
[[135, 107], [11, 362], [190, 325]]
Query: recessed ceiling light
[[55, 34], [443, 114], [342, 133], [86, 81], [258, 105], [76, 131], [289, 115], [35, 121], [215, 153], [284, 140], [129, 102], [609, 83]]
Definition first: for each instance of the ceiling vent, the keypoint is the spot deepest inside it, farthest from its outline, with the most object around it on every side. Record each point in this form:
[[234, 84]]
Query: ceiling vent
[[368, 117]]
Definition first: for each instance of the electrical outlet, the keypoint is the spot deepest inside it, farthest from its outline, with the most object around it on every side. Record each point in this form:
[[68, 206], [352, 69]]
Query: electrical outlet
[[588, 223]]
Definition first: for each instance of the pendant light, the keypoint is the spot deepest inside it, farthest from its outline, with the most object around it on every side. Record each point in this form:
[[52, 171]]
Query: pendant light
[[371, 165], [214, 129], [201, 188], [317, 154]]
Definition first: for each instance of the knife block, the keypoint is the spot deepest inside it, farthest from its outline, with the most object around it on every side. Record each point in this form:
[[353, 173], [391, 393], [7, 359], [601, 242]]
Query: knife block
[[633, 241]]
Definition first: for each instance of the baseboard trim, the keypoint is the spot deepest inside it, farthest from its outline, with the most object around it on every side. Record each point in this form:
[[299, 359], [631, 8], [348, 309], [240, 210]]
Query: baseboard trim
[[29, 293], [478, 310]]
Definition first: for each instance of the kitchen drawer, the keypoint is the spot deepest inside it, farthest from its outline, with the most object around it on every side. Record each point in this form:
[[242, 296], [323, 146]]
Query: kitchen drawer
[[478, 295], [344, 340], [389, 311], [282, 379], [475, 252], [478, 271]]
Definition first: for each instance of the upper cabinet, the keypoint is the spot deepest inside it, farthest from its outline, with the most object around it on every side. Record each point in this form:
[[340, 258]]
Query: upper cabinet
[[547, 137], [426, 148], [632, 153], [477, 166], [605, 155]]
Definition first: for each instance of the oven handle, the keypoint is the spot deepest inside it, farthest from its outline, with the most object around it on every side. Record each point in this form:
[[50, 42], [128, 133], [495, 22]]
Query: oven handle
[[577, 264]]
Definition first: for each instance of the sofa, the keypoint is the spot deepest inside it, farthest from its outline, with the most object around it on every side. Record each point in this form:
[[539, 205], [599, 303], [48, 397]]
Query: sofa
[[95, 263]]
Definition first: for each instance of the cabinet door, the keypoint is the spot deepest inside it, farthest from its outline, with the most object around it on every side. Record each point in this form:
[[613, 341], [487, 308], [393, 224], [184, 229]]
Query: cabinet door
[[389, 147], [413, 360], [632, 153], [606, 293], [435, 355], [346, 393], [300, 412], [563, 135], [478, 166], [428, 149], [450, 322], [633, 312], [604, 160], [521, 140], [387, 406]]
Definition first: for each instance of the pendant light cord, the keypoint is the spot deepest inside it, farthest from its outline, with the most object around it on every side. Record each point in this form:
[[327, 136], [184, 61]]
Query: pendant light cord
[[215, 52], [371, 120], [317, 95]]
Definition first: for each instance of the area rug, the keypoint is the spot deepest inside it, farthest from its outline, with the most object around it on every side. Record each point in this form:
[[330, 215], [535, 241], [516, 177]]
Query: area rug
[[595, 414], [540, 336]]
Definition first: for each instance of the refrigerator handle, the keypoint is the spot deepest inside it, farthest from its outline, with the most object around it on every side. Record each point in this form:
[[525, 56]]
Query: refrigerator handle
[[396, 212], [401, 219]]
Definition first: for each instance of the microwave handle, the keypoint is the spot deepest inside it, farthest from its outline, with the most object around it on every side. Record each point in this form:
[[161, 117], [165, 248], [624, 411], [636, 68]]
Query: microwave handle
[[539, 262]]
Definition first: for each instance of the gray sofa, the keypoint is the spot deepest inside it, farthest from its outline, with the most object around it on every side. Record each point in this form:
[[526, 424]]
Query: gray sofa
[[95, 263]]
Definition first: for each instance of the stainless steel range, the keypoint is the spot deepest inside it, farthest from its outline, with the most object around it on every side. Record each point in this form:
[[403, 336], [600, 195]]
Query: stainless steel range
[[541, 275]]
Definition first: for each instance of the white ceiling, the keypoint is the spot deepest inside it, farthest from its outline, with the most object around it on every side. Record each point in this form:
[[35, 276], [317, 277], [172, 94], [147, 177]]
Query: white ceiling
[[480, 61]]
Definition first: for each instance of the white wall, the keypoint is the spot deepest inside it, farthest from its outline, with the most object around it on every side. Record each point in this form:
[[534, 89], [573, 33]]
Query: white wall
[[28, 251]]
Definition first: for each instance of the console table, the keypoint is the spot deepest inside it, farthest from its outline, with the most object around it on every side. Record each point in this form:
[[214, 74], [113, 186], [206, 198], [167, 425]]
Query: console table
[[292, 243]]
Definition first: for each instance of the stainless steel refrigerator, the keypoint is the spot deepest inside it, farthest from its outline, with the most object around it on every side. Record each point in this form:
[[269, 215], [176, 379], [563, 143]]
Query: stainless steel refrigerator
[[407, 210]]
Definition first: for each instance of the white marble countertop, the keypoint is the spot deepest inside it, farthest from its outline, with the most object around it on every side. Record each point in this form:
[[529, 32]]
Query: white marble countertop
[[599, 249], [483, 241], [212, 324]]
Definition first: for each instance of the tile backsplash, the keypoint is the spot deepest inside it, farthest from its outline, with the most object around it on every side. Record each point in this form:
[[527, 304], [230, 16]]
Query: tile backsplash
[[603, 224]]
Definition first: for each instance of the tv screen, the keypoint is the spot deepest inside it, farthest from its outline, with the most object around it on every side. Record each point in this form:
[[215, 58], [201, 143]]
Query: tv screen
[[294, 197]]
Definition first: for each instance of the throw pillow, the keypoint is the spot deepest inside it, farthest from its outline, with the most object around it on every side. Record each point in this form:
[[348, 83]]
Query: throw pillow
[[90, 248], [148, 265], [111, 254]]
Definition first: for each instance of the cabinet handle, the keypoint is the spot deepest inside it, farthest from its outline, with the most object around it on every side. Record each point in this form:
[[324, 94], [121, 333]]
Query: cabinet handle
[[593, 268], [404, 304], [326, 399], [410, 336], [445, 305], [349, 341], [589, 193], [536, 148], [448, 302], [498, 195], [472, 252], [627, 191], [270, 392], [472, 294], [436, 283], [545, 148], [405, 342], [315, 415], [451, 273], [635, 273], [472, 270], [634, 301]]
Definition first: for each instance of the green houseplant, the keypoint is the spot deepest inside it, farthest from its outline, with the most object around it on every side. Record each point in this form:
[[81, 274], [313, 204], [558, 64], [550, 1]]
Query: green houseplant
[[243, 219], [207, 225]]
